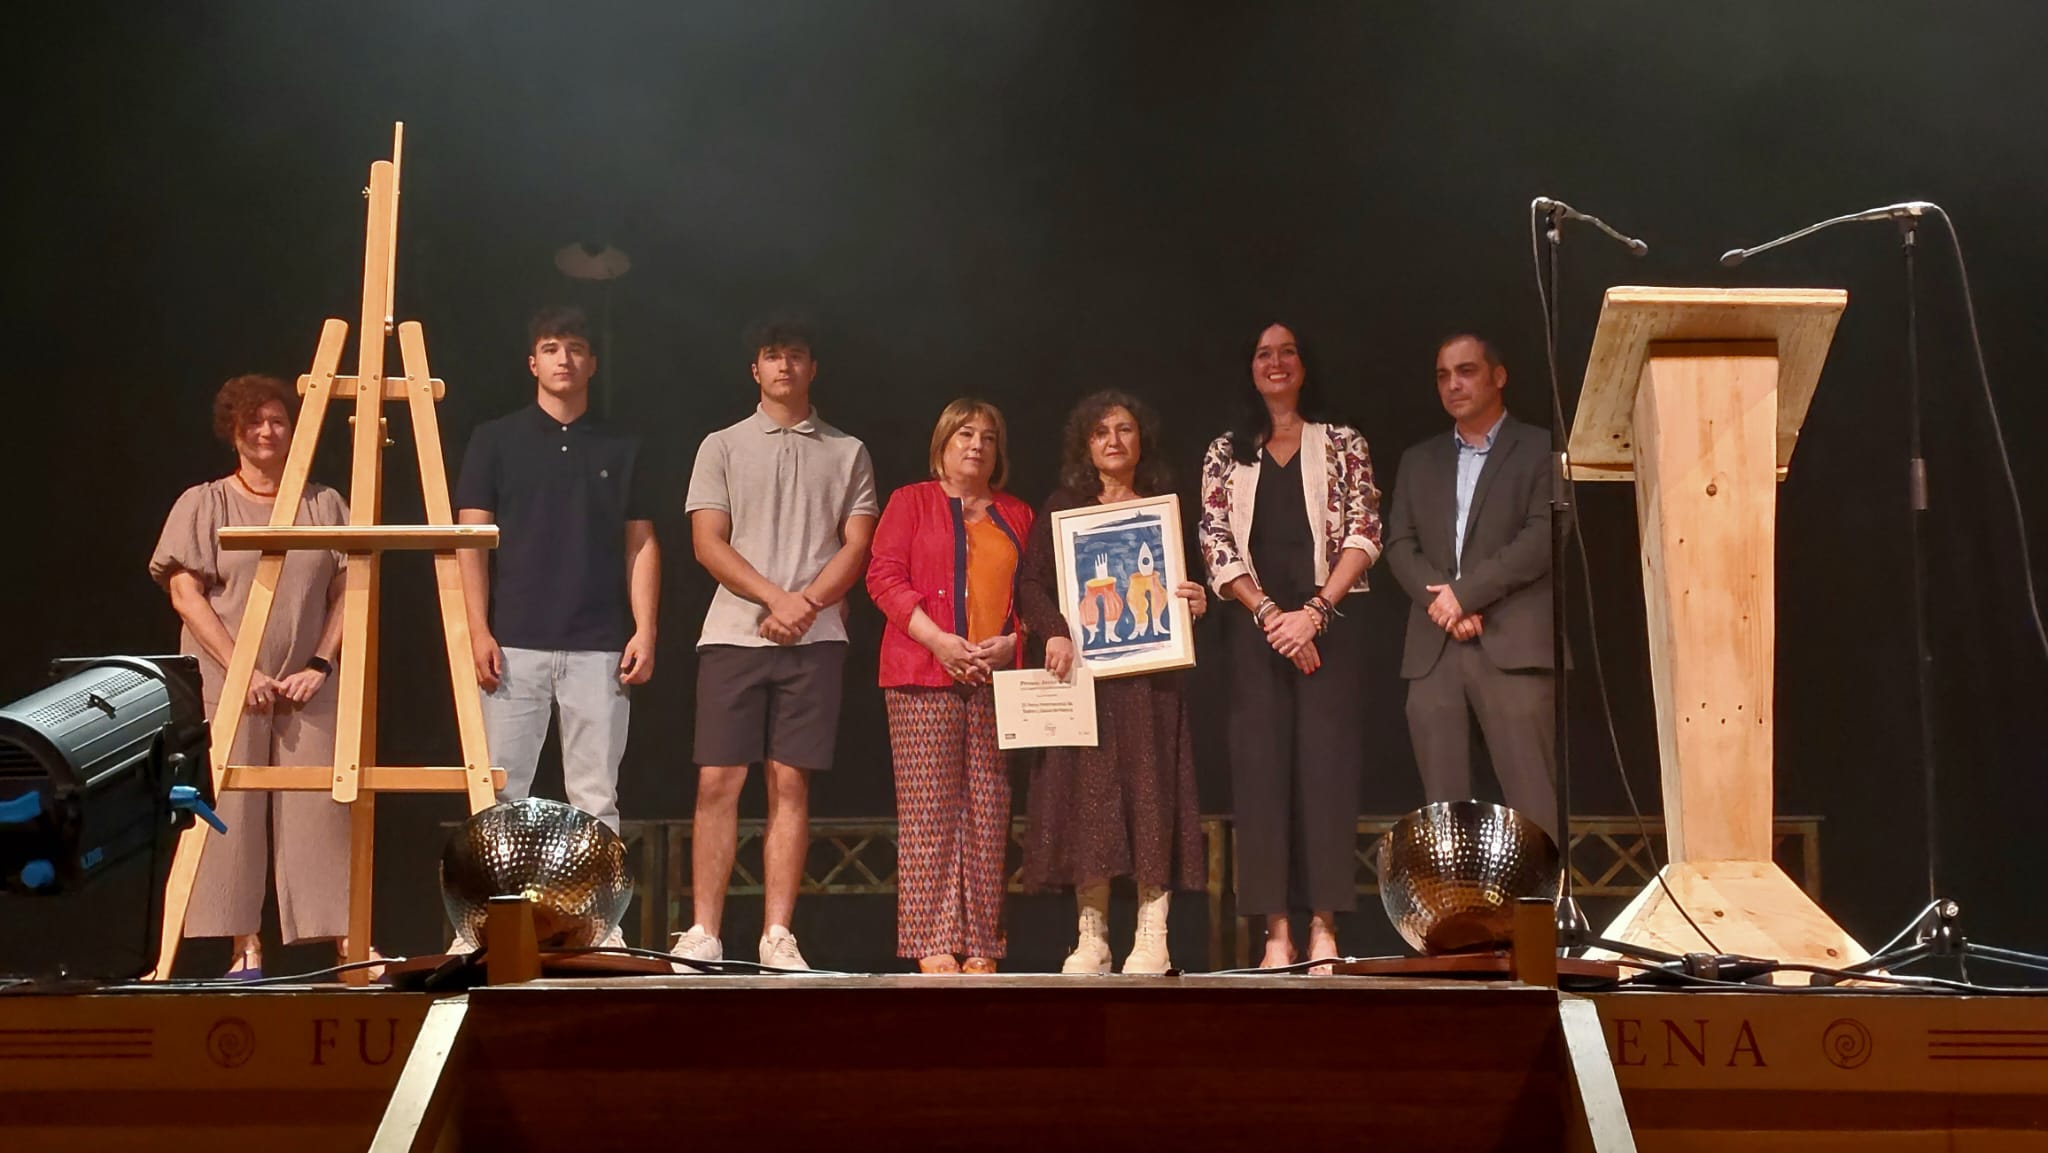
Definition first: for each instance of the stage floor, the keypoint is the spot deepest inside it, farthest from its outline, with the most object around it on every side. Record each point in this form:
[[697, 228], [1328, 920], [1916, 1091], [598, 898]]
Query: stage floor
[[1021, 1062]]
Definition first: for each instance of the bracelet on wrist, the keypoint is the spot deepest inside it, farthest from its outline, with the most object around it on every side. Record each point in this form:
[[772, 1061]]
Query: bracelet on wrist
[[320, 665]]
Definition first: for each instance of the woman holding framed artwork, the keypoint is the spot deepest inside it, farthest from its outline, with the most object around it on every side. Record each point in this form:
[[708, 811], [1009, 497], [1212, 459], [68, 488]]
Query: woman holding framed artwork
[[1127, 806], [1290, 523]]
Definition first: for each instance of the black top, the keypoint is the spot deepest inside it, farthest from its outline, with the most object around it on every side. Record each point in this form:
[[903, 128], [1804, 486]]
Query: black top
[[1283, 546], [561, 495]]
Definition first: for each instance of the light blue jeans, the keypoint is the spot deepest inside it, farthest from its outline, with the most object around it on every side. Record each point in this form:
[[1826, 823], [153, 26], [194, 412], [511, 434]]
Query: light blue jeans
[[583, 690]]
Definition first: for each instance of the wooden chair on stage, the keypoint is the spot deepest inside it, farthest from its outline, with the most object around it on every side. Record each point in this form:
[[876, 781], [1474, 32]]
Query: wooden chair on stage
[[1697, 394], [354, 779]]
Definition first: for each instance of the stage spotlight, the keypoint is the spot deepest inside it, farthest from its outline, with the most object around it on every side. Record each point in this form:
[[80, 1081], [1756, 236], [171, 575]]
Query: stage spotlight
[[98, 775], [1450, 874]]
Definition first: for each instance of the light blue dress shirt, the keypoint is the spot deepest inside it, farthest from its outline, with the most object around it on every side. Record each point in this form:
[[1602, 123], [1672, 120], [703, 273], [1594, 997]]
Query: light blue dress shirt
[[1471, 461]]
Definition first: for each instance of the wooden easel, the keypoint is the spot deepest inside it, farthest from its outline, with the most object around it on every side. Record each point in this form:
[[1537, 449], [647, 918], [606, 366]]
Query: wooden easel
[[350, 780]]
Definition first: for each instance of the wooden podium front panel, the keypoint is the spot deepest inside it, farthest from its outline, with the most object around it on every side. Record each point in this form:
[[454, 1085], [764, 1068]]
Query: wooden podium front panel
[[1705, 431]]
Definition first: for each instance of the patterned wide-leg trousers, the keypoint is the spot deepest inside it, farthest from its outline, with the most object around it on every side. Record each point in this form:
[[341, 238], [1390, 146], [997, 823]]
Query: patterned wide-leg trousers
[[953, 821]]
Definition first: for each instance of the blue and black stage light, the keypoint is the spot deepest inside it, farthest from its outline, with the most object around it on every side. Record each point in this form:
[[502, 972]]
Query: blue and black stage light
[[99, 773]]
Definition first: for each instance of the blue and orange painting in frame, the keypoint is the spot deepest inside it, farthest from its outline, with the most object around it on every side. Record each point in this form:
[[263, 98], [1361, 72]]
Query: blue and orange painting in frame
[[1118, 565]]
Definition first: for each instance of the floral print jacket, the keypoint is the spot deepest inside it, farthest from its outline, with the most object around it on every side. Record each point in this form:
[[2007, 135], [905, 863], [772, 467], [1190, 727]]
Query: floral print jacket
[[1343, 503]]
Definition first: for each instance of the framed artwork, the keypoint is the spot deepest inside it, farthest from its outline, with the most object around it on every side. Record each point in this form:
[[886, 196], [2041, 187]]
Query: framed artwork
[[1118, 565]]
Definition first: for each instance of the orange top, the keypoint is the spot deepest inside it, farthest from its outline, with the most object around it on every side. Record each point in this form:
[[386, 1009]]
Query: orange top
[[991, 566]]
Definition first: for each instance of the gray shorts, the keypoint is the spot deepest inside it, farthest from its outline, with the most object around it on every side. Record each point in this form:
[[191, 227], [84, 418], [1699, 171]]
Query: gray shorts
[[769, 703]]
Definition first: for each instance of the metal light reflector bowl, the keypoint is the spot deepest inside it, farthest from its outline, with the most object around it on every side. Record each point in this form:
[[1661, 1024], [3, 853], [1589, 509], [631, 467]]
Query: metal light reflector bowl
[[569, 863], [1451, 872]]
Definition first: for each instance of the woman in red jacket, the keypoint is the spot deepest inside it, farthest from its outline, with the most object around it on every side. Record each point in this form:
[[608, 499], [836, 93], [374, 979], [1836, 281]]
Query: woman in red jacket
[[943, 571]]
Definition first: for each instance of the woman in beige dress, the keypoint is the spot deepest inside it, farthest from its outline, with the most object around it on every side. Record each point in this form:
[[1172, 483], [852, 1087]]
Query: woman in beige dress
[[291, 709]]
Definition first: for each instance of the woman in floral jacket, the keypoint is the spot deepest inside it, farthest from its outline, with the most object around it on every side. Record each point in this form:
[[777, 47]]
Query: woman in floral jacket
[[1290, 522]]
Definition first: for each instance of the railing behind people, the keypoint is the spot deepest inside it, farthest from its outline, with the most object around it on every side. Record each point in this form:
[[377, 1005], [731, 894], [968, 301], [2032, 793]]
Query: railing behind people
[[856, 856]]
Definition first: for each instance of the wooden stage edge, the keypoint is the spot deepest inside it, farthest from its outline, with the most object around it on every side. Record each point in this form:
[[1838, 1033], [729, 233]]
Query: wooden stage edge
[[1018, 1061]]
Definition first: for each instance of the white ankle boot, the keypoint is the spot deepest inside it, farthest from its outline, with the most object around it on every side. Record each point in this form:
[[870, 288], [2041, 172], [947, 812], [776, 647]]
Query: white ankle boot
[[1091, 953], [1148, 948]]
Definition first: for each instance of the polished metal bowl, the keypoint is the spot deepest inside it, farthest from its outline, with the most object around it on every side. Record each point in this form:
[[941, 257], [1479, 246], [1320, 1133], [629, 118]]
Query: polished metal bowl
[[1451, 872], [569, 863]]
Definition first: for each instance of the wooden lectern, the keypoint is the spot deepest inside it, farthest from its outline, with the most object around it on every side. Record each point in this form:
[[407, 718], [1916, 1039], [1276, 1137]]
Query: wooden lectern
[[1697, 394]]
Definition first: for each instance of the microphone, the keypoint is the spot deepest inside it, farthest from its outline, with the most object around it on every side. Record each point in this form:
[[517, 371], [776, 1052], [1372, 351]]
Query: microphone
[[1908, 210], [1559, 209]]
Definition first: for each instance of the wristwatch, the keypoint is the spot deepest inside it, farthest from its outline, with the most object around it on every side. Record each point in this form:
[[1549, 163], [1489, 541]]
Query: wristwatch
[[320, 666]]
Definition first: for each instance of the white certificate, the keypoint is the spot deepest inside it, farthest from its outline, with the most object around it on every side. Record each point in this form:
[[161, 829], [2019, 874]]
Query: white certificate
[[1036, 710]]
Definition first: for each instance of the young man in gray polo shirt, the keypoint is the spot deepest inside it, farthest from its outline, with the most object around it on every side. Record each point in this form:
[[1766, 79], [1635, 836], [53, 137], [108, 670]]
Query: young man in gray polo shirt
[[782, 507]]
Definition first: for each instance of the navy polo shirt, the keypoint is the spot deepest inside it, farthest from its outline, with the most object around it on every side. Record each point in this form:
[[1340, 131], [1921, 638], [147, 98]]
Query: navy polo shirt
[[561, 495]]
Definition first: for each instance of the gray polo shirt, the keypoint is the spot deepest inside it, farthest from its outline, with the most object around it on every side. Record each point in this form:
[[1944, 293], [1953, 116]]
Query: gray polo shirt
[[788, 490]]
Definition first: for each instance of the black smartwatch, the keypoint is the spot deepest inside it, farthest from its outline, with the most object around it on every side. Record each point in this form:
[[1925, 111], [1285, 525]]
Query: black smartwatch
[[320, 666]]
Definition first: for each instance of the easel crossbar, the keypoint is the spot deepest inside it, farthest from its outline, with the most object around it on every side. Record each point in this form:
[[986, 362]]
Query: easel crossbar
[[360, 538], [395, 387], [370, 778]]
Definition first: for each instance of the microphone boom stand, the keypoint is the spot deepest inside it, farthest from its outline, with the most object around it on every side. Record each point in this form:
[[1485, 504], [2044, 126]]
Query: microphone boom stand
[[1572, 927], [1573, 931], [1937, 930]]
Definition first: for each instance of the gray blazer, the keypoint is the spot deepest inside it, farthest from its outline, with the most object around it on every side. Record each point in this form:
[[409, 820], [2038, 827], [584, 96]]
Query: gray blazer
[[1507, 546]]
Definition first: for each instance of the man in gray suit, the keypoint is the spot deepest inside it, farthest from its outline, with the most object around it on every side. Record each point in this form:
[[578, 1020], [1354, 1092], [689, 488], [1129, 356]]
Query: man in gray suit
[[1468, 537]]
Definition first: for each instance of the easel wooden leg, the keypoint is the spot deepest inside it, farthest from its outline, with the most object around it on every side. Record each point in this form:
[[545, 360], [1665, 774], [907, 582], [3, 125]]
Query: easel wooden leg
[[469, 709], [469, 713], [362, 861], [362, 872], [355, 653], [178, 896]]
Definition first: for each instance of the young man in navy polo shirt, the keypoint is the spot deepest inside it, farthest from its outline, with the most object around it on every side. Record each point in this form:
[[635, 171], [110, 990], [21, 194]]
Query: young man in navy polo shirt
[[565, 624], [782, 507]]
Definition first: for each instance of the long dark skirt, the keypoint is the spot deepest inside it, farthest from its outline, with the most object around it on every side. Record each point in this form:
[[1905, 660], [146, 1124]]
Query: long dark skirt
[[1127, 807]]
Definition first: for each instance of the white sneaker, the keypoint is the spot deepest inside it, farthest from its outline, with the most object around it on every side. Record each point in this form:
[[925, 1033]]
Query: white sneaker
[[463, 943], [694, 944], [616, 939], [778, 948]]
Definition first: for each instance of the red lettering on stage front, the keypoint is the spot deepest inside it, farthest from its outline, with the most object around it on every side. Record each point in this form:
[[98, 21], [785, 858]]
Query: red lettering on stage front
[[1673, 1032], [1745, 1042], [1627, 1031], [322, 1040], [363, 1040]]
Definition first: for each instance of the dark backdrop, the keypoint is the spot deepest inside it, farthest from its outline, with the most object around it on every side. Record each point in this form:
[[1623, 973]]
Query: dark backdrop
[[1028, 201]]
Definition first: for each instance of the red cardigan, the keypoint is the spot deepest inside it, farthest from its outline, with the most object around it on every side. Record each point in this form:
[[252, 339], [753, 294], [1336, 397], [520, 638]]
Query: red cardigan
[[919, 560]]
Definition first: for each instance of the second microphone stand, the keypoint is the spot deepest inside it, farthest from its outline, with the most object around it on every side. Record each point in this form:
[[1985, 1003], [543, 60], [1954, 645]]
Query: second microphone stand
[[1937, 930], [1572, 927]]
